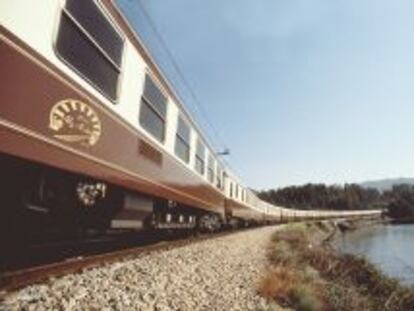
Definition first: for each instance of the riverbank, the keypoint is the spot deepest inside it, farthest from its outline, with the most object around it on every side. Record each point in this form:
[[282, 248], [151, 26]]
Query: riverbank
[[305, 272], [402, 221]]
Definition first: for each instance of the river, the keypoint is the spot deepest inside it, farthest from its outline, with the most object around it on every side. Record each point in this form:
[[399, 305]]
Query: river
[[390, 247]]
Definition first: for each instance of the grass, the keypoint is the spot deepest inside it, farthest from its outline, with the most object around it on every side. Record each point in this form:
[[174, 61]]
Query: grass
[[287, 288], [306, 274]]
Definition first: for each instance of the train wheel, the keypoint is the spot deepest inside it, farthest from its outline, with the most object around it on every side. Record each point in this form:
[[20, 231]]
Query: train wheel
[[78, 203], [209, 223], [234, 223]]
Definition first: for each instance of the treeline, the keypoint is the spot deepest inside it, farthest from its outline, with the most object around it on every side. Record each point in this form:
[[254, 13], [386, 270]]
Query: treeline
[[320, 196], [399, 201]]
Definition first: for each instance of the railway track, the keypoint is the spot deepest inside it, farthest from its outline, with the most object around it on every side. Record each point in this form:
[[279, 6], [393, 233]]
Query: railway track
[[55, 265]]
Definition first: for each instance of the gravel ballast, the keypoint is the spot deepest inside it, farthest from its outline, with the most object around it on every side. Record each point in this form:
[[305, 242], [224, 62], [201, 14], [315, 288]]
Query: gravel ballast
[[215, 274]]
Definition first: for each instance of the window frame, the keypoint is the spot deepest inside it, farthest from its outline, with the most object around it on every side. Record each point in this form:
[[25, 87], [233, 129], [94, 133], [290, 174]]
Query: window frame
[[147, 102], [210, 169], [197, 157], [219, 176], [179, 137], [83, 32]]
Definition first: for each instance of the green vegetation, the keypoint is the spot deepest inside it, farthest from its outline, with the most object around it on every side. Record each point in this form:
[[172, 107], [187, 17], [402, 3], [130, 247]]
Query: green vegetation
[[399, 201], [306, 274], [320, 196]]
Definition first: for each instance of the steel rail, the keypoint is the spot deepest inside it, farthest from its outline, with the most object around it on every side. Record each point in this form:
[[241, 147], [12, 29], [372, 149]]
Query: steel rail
[[13, 280]]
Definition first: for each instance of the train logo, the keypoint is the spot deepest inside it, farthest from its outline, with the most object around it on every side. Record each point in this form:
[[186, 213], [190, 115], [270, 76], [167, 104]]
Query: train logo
[[74, 121]]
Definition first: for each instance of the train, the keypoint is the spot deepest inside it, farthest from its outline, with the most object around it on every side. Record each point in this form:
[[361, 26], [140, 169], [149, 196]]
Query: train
[[93, 135]]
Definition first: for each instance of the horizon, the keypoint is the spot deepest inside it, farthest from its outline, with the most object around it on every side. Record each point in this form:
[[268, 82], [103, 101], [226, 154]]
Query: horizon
[[329, 85]]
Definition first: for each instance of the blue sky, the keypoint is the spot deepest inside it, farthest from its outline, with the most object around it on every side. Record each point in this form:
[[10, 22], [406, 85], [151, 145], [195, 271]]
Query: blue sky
[[300, 91]]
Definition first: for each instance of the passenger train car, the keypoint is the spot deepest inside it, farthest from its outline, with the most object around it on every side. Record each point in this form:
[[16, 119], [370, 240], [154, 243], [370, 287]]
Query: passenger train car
[[93, 135]]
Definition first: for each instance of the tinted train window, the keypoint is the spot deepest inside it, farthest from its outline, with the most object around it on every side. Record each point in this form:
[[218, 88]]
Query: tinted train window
[[219, 177], [210, 172], [182, 140], [200, 156], [88, 42], [153, 109]]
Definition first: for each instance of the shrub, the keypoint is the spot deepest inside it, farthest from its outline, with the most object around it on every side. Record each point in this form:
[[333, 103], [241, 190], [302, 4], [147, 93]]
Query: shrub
[[323, 225], [310, 277], [310, 274], [295, 238], [342, 298], [281, 254], [278, 284], [306, 298]]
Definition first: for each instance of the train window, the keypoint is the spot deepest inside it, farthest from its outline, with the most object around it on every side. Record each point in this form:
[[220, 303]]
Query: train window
[[237, 191], [88, 42], [219, 177], [200, 156], [153, 109], [210, 172], [231, 190], [182, 140], [223, 180]]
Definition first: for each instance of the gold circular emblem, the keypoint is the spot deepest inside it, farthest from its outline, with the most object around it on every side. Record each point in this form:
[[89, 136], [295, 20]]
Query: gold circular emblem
[[75, 122]]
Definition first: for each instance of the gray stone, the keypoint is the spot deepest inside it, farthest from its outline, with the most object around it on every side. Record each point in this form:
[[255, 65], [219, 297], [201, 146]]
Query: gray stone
[[215, 274]]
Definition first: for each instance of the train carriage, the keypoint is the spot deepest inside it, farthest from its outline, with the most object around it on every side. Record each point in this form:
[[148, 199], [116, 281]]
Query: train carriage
[[92, 133], [81, 94]]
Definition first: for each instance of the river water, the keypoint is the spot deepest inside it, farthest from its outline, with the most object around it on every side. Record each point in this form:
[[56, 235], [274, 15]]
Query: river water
[[390, 247]]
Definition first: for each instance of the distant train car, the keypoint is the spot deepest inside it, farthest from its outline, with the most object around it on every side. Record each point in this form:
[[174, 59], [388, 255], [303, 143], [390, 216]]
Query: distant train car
[[92, 133]]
